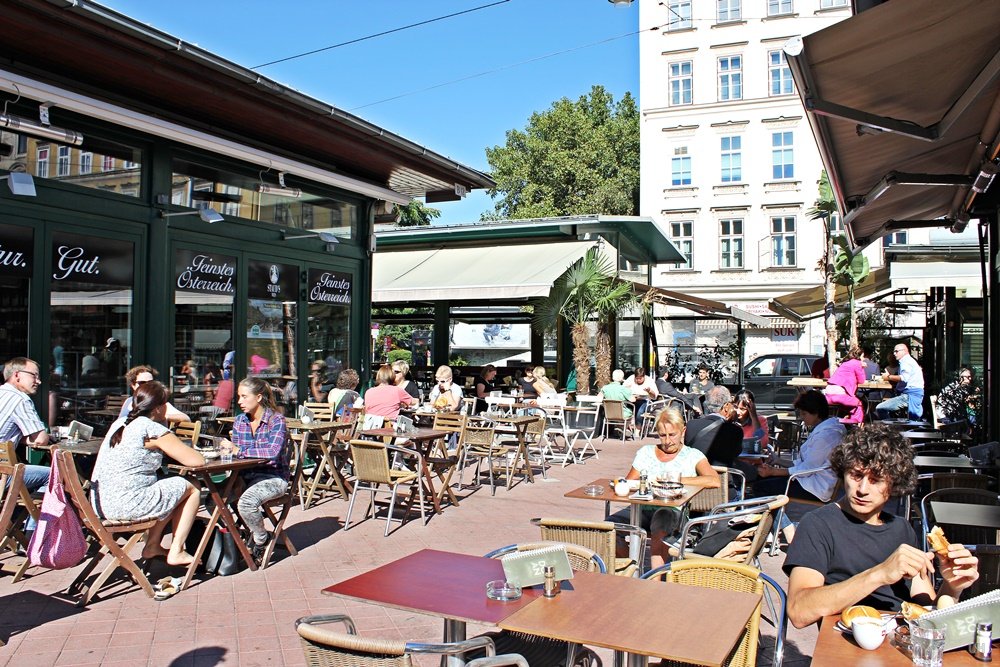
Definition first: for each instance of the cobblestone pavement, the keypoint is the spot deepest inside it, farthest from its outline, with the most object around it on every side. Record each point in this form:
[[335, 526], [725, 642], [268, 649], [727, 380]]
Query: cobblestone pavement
[[247, 619]]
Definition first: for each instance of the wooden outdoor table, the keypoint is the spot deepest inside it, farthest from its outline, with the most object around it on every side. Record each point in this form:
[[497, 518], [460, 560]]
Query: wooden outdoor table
[[906, 424], [422, 440], [807, 383], [872, 385], [203, 475], [617, 612], [966, 514], [80, 448], [635, 504], [326, 474], [834, 649], [922, 436]]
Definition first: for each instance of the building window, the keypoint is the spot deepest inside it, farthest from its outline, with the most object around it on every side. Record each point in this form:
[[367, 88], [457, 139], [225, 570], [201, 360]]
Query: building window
[[680, 234], [731, 244], [108, 163], [86, 162], [728, 10], [62, 161], [22, 144], [782, 155], [783, 241], [42, 162], [680, 167], [129, 164], [832, 4], [730, 78], [894, 238], [680, 83], [779, 74], [779, 7], [835, 224], [680, 15], [732, 159]]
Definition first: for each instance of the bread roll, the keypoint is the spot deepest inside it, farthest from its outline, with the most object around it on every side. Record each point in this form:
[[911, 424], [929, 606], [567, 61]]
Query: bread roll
[[858, 611]]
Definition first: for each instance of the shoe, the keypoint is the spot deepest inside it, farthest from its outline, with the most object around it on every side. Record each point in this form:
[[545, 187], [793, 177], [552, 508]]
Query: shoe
[[257, 550]]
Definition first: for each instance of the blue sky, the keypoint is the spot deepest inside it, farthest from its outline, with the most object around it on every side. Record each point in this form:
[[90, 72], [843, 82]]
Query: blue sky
[[432, 70]]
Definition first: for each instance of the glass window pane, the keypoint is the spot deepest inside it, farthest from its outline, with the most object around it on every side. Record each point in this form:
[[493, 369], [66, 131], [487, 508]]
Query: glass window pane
[[329, 315], [271, 327]]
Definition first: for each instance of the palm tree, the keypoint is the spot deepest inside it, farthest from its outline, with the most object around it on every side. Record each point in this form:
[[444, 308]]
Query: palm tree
[[575, 297], [850, 269], [617, 299], [823, 210]]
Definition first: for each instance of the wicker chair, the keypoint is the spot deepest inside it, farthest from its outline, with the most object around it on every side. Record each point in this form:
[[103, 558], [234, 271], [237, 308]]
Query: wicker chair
[[479, 442], [838, 489], [729, 576], [325, 647], [599, 536], [709, 499], [371, 467], [541, 651], [758, 514]]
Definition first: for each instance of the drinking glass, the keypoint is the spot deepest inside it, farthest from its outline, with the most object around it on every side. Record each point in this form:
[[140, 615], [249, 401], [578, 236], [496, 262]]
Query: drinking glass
[[225, 453], [927, 646]]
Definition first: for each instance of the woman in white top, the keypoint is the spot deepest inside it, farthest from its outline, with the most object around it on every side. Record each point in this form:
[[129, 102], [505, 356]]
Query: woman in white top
[[541, 384], [446, 396], [670, 455]]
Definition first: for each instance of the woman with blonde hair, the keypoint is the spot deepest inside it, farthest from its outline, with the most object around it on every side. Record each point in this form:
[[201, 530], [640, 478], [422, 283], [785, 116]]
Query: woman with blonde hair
[[400, 370], [670, 458], [541, 384]]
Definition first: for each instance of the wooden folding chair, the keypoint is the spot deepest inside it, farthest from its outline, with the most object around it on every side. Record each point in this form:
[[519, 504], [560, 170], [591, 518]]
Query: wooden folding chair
[[11, 483], [323, 412], [326, 477], [106, 535], [300, 443], [188, 431], [15, 537], [444, 462]]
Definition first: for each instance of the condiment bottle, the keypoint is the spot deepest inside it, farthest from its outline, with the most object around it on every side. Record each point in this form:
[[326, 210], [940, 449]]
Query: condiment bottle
[[982, 648], [643, 483], [551, 585]]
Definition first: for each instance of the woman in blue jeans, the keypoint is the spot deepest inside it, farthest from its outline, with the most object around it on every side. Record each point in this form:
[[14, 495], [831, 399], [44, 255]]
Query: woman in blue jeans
[[260, 432]]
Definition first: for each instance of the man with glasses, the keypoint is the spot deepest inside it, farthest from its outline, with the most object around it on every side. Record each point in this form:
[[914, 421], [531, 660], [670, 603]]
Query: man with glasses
[[19, 419], [910, 385]]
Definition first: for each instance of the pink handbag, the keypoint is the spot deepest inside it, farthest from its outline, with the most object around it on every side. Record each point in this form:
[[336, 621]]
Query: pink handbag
[[58, 542]]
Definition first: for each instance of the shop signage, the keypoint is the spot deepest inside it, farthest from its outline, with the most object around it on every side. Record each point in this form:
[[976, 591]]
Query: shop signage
[[204, 272], [275, 282], [329, 287], [89, 259], [15, 251]]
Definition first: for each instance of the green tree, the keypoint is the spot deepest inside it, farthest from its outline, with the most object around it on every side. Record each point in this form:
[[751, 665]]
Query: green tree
[[850, 269], [823, 210], [415, 214], [576, 158]]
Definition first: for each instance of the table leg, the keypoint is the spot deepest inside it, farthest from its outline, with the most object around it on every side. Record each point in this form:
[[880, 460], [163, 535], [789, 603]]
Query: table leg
[[637, 660], [634, 548], [428, 482], [454, 631], [222, 506]]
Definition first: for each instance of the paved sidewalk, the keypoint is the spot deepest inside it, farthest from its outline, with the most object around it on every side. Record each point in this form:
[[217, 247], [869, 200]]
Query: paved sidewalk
[[247, 619]]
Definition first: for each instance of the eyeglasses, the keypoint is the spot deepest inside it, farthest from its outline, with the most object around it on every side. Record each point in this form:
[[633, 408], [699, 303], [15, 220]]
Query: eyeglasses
[[966, 377], [34, 375]]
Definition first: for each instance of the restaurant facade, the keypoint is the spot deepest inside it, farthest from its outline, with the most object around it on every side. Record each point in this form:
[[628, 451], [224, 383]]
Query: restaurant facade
[[165, 206]]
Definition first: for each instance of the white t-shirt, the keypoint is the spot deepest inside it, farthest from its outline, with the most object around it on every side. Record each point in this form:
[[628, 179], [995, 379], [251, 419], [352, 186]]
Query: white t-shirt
[[640, 389], [685, 463]]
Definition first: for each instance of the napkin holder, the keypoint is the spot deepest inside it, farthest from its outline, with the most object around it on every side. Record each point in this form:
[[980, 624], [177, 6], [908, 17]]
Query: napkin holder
[[80, 431], [959, 621], [403, 424], [306, 416]]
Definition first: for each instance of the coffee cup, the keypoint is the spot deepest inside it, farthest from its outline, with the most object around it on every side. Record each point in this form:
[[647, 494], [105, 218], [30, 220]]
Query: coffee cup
[[621, 488], [869, 633]]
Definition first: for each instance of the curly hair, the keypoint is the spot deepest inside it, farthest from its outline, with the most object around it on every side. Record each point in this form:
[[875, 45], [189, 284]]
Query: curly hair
[[348, 379], [880, 450]]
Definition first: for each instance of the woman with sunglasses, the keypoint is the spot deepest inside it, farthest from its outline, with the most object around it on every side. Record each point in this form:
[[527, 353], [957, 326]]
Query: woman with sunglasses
[[401, 371], [137, 376]]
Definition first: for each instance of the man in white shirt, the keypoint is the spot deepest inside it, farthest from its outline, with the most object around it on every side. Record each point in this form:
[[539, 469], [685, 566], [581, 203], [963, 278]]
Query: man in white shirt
[[909, 384], [643, 389], [19, 419]]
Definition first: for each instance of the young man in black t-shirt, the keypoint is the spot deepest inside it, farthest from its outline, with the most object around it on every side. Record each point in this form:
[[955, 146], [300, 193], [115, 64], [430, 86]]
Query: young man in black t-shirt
[[851, 552]]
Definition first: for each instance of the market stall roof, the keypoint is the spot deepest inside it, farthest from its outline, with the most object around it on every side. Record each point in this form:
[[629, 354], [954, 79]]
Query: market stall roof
[[472, 273], [808, 303], [699, 305], [903, 103], [637, 238]]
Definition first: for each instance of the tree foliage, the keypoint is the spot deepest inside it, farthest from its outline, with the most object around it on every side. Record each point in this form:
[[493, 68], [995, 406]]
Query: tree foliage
[[575, 158], [415, 214]]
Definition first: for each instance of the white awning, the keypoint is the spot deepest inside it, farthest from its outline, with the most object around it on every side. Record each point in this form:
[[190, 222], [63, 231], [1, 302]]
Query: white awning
[[925, 275], [808, 303], [456, 274]]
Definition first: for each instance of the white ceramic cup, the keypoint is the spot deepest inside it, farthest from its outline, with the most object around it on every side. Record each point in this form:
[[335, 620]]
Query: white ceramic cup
[[868, 632], [621, 488]]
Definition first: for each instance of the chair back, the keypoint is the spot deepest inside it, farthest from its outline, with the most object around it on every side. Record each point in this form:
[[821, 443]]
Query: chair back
[[8, 455], [11, 482], [188, 431], [598, 536], [115, 402], [371, 461], [950, 480], [452, 422], [478, 436], [581, 559], [468, 406], [706, 499], [323, 412], [323, 646], [989, 570], [726, 576], [77, 496], [961, 534], [614, 410]]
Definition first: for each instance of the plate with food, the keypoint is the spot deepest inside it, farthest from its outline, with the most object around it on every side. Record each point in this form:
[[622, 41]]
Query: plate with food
[[851, 614]]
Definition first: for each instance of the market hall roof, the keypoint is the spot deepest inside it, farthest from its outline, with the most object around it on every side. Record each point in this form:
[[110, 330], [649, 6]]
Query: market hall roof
[[91, 49], [903, 103]]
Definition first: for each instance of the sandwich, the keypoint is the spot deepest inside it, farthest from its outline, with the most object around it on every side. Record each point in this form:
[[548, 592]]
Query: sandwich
[[848, 616], [911, 610], [938, 542]]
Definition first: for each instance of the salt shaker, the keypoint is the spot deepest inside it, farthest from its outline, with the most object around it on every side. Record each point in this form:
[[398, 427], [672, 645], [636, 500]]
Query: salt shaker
[[551, 585], [982, 648], [643, 483]]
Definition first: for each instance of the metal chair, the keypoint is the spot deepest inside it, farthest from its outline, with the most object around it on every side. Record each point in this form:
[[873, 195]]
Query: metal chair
[[958, 533], [325, 647], [556, 415], [587, 411], [614, 415], [599, 536], [837, 490], [709, 499], [106, 534], [371, 467], [729, 576], [756, 516]]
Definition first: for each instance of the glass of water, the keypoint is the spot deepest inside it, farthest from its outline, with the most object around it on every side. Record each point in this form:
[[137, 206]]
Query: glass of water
[[926, 645]]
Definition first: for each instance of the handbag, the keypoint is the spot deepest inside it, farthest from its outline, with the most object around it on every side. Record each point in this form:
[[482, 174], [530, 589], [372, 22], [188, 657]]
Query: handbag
[[58, 542], [222, 557]]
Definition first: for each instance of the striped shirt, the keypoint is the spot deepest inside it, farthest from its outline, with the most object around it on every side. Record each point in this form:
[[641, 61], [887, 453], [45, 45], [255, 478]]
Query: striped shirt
[[270, 442], [18, 416]]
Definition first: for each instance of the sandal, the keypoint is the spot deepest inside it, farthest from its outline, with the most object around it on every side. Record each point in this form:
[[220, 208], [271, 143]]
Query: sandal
[[167, 587]]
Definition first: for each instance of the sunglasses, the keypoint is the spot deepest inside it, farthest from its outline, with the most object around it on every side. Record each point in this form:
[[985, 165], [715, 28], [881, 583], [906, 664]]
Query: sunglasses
[[142, 382]]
